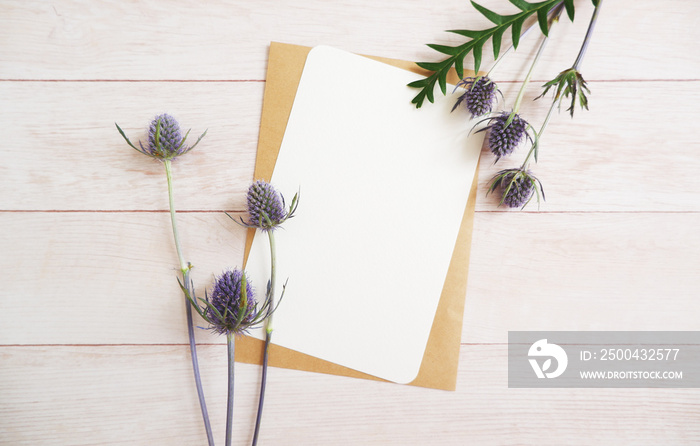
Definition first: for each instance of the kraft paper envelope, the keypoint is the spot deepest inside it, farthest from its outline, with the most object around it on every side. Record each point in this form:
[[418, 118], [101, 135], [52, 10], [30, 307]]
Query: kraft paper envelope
[[439, 365]]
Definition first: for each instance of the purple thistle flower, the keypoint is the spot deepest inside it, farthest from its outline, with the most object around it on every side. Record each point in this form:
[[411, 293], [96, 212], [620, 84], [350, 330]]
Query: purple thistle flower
[[517, 187], [265, 206], [165, 140], [228, 311], [480, 95], [504, 137]]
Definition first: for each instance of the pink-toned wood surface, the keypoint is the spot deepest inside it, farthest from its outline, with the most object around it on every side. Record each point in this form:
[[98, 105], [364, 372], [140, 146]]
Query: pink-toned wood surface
[[92, 329]]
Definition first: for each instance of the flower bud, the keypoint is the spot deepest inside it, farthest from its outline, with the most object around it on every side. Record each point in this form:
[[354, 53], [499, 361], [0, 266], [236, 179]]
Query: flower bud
[[265, 206], [504, 137], [232, 305], [165, 140], [480, 95], [517, 186]]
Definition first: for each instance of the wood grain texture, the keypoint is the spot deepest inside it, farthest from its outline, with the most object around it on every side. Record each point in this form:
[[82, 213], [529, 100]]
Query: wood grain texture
[[584, 271], [69, 155], [92, 330], [605, 159], [228, 39], [109, 278], [144, 395]]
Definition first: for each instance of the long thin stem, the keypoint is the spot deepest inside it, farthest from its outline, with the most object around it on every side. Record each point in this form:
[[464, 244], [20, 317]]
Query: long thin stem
[[171, 198], [258, 418], [521, 93], [268, 333], [553, 13], [587, 39], [185, 269], [230, 338], [577, 64], [535, 146]]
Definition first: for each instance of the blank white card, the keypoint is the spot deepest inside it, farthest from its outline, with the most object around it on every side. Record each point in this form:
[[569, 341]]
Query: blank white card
[[383, 190]]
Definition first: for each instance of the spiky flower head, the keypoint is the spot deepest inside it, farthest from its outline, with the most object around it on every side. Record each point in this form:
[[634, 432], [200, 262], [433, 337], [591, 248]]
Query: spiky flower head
[[266, 206], [165, 140], [517, 187], [568, 83], [480, 95], [231, 308], [506, 132]]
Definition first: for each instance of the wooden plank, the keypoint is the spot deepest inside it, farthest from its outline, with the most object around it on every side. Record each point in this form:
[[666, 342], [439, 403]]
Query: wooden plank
[[587, 271], [70, 157], [105, 278], [144, 395], [229, 40], [621, 155]]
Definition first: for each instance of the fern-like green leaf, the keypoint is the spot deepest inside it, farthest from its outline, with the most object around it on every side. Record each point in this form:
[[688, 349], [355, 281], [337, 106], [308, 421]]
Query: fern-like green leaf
[[496, 43], [477, 57], [449, 50], [569, 4], [542, 19], [477, 40], [517, 31], [466, 33], [459, 67], [495, 18], [521, 4]]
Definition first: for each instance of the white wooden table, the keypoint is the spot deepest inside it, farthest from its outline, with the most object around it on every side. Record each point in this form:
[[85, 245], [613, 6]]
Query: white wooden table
[[93, 346]]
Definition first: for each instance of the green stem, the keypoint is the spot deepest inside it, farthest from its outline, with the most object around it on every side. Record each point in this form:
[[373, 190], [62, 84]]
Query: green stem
[[231, 341], [268, 333], [577, 64], [185, 269], [587, 39], [169, 173], [521, 93], [535, 146], [554, 12]]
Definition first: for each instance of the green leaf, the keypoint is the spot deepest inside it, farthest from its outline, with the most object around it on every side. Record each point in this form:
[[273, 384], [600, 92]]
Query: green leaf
[[467, 33], [442, 80], [569, 4], [477, 58], [459, 67], [477, 40], [429, 92], [596, 2], [517, 29], [431, 66], [521, 4], [542, 19], [420, 83], [495, 18], [449, 50], [496, 42]]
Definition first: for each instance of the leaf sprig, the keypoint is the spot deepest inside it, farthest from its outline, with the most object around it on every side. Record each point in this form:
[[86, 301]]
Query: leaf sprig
[[479, 38], [568, 83]]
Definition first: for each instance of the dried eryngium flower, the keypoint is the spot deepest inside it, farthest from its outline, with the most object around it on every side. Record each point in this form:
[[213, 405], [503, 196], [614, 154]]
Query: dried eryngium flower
[[517, 187], [506, 132], [480, 95], [231, 307], [266, 207], [165, 140]]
